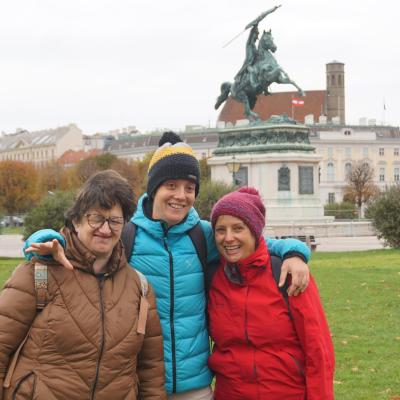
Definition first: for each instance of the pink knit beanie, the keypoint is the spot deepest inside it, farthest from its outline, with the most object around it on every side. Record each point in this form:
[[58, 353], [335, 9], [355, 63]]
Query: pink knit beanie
[[245, 204]]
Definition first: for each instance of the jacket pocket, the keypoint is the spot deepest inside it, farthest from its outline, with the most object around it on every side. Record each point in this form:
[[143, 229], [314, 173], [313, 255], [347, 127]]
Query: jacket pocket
[[25, 387], [30, 387]]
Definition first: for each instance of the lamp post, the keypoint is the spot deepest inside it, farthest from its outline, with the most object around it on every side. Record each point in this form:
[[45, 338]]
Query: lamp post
[[233, 168]]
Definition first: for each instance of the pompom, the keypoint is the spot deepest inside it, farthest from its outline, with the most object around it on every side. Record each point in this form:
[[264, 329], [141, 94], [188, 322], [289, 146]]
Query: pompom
[[169, 137], [249, 190]]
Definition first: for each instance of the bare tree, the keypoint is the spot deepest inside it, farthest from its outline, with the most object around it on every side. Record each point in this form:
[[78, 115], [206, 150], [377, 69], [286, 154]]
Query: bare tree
[[360, 185]]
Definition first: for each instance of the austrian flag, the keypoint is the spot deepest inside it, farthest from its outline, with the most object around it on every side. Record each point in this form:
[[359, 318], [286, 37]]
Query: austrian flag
[[297, 102]]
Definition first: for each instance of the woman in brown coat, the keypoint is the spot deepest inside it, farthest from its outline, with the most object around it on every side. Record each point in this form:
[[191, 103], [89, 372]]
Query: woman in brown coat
[[87, 342]]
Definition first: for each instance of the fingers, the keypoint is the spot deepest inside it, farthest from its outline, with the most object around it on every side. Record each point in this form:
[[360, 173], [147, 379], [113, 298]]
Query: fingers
[[284, 272], [59, 255]]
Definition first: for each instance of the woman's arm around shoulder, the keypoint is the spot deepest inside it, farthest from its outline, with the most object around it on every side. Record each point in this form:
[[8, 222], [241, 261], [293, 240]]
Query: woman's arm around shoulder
[[150, 368], [17, 312]]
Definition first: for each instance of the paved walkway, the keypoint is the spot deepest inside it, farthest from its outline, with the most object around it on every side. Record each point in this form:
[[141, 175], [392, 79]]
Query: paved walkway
[[359, 243], [11, 245]]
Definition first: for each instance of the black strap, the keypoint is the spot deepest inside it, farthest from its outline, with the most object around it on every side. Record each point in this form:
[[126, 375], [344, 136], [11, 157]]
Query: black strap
[[128, 238], [276, 265]]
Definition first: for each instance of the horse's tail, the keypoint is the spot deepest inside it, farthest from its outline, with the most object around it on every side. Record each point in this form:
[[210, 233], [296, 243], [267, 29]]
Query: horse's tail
[[225, 89]]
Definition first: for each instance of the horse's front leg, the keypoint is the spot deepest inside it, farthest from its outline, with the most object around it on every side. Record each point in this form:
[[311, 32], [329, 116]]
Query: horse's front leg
[[284, 78], [250, 115]]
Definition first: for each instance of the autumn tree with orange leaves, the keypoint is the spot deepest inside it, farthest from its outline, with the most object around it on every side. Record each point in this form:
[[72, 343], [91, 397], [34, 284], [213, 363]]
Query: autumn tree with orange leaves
[[17, 186]]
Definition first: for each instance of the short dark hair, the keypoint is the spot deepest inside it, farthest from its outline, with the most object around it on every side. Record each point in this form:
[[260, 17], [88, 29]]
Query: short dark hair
[[104, 189]]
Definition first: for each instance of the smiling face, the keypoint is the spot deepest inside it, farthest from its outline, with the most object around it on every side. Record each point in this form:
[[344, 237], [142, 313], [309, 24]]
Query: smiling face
[[99, 238], [173, 200], [233, 238]]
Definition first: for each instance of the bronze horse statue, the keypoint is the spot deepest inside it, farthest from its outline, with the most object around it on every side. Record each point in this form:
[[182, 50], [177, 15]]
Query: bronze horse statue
[[259, 70]]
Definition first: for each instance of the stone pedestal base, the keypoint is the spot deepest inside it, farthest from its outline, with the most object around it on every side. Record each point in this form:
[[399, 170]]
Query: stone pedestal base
[[277, 160]]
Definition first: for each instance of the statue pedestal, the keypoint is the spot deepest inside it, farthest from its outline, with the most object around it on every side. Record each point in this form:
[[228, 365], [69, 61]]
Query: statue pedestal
[[278, 160]]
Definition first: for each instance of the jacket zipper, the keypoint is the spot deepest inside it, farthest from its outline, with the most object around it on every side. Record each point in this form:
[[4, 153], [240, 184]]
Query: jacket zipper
[[171, 315], [298, 365], [101, 350], [247, 336]]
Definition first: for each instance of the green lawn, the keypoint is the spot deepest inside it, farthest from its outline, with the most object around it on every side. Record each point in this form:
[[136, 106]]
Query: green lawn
[[361, 295], [15, 230]]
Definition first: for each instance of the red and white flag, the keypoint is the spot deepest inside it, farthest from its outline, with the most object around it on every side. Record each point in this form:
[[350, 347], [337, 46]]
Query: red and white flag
[[297, 102]]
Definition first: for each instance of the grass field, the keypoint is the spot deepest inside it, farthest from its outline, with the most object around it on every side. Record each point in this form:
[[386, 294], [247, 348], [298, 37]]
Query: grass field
[[361, 295]]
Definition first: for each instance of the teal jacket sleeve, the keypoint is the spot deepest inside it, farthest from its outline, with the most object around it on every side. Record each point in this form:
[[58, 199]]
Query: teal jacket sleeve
[[42, 236], [284, 248]]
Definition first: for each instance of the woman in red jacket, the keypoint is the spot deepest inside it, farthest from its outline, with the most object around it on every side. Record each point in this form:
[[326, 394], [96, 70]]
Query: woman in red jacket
[[266, 347]]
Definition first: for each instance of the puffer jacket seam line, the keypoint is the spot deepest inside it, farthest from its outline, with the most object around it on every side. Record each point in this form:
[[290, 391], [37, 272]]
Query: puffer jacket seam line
[[12, 287], [69, 310]]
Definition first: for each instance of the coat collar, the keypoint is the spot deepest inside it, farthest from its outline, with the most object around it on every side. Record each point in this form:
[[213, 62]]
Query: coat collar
[[82, 258], [245, 270]]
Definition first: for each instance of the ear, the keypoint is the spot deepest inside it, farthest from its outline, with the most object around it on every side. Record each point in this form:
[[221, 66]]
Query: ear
[[76, 224], [269, 31]]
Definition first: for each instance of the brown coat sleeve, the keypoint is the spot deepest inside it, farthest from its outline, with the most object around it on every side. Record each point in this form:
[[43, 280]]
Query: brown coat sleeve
[[150, 367], [17, 312]]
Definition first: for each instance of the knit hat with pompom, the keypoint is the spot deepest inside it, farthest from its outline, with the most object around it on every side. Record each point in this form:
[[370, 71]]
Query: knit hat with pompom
[[173, 159], [245, 204]]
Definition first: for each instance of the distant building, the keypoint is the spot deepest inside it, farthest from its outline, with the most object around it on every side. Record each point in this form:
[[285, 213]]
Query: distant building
[[71, 157], [40, 147], [340, 146]]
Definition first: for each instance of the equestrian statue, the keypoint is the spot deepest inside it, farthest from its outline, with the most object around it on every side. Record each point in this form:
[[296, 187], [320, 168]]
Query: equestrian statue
[[258, 71]]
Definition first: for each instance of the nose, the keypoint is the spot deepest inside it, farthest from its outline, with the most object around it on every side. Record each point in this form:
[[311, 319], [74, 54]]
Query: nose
[[180, 192], [105, 228], [228, 235]]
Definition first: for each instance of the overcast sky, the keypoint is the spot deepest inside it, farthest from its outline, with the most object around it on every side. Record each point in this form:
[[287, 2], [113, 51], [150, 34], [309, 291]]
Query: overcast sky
[[106, 64]]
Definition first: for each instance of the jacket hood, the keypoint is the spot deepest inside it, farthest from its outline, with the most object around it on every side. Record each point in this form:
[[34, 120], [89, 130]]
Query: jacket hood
[[157, 228], [82, 258]]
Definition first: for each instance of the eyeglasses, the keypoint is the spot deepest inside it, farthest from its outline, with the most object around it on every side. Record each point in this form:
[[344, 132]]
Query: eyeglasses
[[96, 221]]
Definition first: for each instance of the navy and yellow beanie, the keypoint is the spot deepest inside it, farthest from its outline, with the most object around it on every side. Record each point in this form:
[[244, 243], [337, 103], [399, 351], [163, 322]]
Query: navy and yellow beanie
[[173, 159]]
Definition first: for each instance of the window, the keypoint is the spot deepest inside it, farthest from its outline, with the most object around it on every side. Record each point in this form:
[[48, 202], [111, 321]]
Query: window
[[330, 152], [347, 133], [365, 151], [333, 80], [381, 174], [381, 151], [396, 151], [396, 174], [348, 152], [330, 172], [347, 169], [331, 198]]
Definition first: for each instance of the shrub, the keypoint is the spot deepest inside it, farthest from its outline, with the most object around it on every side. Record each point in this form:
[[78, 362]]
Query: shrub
[[210, 193], [344, 210], [385, 215], [49, 213]]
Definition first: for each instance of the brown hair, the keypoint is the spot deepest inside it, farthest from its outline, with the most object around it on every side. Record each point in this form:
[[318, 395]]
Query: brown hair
[[103, 189]]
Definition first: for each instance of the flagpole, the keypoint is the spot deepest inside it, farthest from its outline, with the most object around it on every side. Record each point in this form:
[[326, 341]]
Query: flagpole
[[384, 112], [292, 107]]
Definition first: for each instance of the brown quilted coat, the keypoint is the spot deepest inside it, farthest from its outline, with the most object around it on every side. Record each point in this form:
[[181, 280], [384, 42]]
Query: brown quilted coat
[[84, 344]]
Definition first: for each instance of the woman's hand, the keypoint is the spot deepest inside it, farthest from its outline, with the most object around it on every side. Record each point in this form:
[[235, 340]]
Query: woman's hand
[[300, 275], [52, 248]]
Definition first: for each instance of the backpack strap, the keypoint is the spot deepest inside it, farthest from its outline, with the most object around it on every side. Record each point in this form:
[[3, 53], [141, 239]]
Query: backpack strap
[[198, 238], [196, 235], [276, 265], [41, 285], [144, 304], [128, 238]]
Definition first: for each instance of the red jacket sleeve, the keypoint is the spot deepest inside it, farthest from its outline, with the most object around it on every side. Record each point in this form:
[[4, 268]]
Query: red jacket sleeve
[[313, 332]]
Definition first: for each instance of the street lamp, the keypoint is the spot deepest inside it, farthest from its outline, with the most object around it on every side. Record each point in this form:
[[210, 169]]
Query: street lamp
[[233, 168]]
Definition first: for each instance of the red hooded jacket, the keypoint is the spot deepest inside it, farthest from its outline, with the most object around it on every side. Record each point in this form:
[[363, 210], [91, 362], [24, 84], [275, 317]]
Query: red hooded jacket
[[260, 353]]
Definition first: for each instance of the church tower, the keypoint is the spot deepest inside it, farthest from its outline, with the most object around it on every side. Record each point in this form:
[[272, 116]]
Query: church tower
[[335, 99]]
